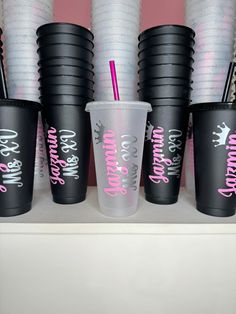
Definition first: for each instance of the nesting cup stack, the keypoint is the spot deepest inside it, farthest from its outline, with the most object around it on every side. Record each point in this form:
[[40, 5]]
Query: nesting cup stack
[[233, 87], [66, 85], [21, 18], [116, 25], [165, 70], [214, 24], [1, 13]]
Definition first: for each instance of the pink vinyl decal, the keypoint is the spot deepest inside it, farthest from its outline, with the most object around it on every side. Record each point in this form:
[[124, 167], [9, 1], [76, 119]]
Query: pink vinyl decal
[[55, 162]]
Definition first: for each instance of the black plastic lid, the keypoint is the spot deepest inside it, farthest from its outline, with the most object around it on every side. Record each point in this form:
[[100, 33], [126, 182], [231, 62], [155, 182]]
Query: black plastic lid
[[167, 29], [21, 103], [64, 28], [213, 106]]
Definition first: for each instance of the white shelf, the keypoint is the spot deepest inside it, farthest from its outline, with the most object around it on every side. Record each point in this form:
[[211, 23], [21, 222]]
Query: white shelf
[[84, 218]]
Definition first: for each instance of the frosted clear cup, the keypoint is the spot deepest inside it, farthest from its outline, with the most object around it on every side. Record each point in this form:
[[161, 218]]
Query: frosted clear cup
[[100, 68], [131, 3], [109, 96], [118, 36], [20, 40], [121, 48], [25, 89], [120, 76], [122, 84], [24, 68], [213, 55], [119, 55], [117, 11], [103, 22], [209, 84], [203, 99], [211, 63], [120, 59], [36, 3], [23, 76], [118, 130], [32, 84], [34, 24], [41, 167]]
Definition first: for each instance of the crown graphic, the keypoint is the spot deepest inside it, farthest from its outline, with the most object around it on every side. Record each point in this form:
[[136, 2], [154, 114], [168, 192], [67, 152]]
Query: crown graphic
[[222, 135], [99, 131], [148, 133]]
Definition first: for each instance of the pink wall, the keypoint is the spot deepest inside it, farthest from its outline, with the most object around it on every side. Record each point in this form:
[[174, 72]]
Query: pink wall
[[155, 12]]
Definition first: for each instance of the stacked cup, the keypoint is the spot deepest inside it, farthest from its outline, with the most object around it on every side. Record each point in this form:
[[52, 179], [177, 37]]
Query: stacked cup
[[165, 64], [233, 87], [214, 24], [214, 45], [116, 25], [65, 66], [21, 18], [66, 85], [165, 69]]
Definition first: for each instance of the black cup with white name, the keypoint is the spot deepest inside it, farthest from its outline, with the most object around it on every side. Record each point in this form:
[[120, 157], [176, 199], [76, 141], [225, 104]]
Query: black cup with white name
[[163, 153], [67, 133], [18, 129], [214, 131]]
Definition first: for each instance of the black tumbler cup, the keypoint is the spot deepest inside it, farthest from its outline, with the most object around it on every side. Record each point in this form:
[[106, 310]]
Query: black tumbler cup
[[214, 131], [67, 132], [166, 30], [18, 129], [163, 153]]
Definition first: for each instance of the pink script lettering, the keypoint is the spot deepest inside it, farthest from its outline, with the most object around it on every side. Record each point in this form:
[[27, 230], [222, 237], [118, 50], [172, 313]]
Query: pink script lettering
[[159, 160], [55, 162]]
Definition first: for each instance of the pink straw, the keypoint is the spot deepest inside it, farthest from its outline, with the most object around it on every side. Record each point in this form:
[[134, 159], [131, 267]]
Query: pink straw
[[114, 80]]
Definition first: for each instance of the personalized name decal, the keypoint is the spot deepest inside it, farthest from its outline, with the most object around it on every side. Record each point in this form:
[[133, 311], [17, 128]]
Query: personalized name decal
[[120, 152], [11, 170], [62, 140], [162, 167]]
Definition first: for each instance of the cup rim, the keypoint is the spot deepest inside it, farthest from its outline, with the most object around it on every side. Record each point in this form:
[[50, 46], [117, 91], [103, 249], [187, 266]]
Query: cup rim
[[45, 47], [117, 104], [206, 106], [21, 103], [169, 45], [61, 24], [59, 34], [167, 26]]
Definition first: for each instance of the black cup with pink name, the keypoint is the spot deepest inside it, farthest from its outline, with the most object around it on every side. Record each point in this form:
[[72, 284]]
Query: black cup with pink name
[[214, 131], [163, 153], [18, 129], [67, 133]]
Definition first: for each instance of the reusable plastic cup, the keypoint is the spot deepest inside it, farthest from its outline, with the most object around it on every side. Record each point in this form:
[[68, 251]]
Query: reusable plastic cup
[[65, 80], [68, 39], [166, 49], [167, 29], [63, 50], [18, 128], [165, 59], [66, 70], [66, 61], [165, 81], [214, 126], [67, 90], [68, 138], [53, 99], [162, 91], [164, 152], [64, 28], [118, 129], [163, 71]]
